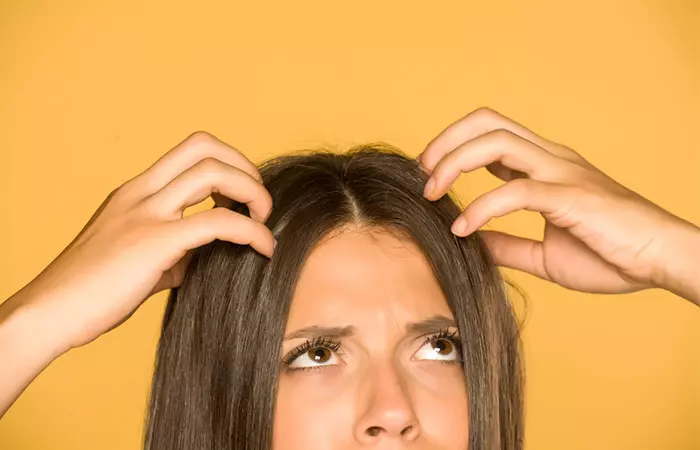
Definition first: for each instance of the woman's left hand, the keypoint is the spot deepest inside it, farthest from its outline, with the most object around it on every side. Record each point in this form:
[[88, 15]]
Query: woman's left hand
[[599, 236]]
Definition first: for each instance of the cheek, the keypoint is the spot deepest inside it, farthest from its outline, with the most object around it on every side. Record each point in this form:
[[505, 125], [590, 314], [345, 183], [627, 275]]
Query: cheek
[[441, 404], [313, 410]]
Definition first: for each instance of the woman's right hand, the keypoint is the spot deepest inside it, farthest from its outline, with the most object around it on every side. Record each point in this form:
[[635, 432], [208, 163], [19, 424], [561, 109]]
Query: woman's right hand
[[138, 243], [599, 236]]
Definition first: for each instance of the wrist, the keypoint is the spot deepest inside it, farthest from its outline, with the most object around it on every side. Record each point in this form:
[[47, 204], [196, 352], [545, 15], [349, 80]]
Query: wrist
[[28, 324], [26, 347], [679, 268]]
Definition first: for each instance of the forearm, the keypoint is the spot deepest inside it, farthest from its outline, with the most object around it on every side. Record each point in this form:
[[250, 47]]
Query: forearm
[[680, 271], [26, 347]]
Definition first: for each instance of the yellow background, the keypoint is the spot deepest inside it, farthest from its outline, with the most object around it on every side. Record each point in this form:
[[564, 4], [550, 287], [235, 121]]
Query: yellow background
[[93, 93]]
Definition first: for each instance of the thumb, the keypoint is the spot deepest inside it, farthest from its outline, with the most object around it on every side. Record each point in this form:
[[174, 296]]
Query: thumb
[[516, 252]]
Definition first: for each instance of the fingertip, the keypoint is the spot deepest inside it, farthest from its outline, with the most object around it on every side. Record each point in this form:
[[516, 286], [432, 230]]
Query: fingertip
[[274, 247], [429, 188], [459, 227]]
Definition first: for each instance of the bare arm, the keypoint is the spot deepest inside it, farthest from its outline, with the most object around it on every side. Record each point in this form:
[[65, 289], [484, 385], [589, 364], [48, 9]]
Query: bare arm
[[136, 244], [27, 347], [679, 271]]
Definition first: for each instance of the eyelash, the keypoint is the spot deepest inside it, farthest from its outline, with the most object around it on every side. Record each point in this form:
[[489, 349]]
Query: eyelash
[[453, 338], [330, 344], [335, 346]]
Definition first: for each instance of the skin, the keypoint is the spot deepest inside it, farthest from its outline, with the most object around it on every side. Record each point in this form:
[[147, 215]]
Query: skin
[[384, 385], [600, 237]]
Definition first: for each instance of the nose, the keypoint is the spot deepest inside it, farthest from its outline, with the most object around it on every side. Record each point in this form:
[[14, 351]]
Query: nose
[[389, 413]]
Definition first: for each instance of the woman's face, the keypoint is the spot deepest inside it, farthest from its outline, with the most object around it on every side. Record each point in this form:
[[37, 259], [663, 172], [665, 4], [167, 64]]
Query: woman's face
[[384, 370]]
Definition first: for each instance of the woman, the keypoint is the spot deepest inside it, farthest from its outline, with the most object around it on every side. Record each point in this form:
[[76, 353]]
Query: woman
[[369, 324], [363, 377]]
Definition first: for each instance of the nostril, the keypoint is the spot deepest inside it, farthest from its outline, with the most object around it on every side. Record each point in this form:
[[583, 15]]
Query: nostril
[[373, 431]]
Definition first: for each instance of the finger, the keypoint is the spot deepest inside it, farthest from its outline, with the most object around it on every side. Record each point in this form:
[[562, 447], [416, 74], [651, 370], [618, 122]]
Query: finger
[[501, 146], [203, 227], [204, 178], [196, 147], [481, 121], [522, 193], [516, 252]]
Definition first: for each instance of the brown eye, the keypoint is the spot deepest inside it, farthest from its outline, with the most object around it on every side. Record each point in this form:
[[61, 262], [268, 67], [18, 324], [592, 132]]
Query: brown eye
[[442, 346], [316, 353], [319, 354]]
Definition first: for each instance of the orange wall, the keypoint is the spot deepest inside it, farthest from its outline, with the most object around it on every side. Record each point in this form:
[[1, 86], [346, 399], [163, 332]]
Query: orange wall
[[93, 94]]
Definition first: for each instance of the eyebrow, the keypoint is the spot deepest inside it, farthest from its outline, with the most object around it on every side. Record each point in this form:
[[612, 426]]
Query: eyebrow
[[430, 325]]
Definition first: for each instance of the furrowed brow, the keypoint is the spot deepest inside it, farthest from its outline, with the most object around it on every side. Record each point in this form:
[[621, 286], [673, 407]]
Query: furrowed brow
[[430, 325], [318, 331], [427, 326]]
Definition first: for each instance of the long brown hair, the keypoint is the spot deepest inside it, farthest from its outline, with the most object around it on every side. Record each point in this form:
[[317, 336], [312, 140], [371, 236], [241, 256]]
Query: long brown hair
[[218, 358]]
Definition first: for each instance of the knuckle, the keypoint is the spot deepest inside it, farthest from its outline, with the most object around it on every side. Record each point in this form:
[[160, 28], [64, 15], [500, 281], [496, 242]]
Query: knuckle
[[576, 173], [120, 198], [522, 185], [582, 176], [502, 135], [150, 209], [208, 166], [209, 163], [222, 214], [201, 137], [148, 235], [502, 141], [568, 152], [119, 193], [578, 191], [485, 113]]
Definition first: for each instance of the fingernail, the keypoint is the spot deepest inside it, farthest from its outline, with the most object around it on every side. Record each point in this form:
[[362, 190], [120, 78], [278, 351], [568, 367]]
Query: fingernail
[[418, 157], [460, 226], [429, 187]]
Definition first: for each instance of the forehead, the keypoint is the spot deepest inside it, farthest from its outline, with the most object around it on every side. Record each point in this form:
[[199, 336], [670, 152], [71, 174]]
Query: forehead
[[365, 277]]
